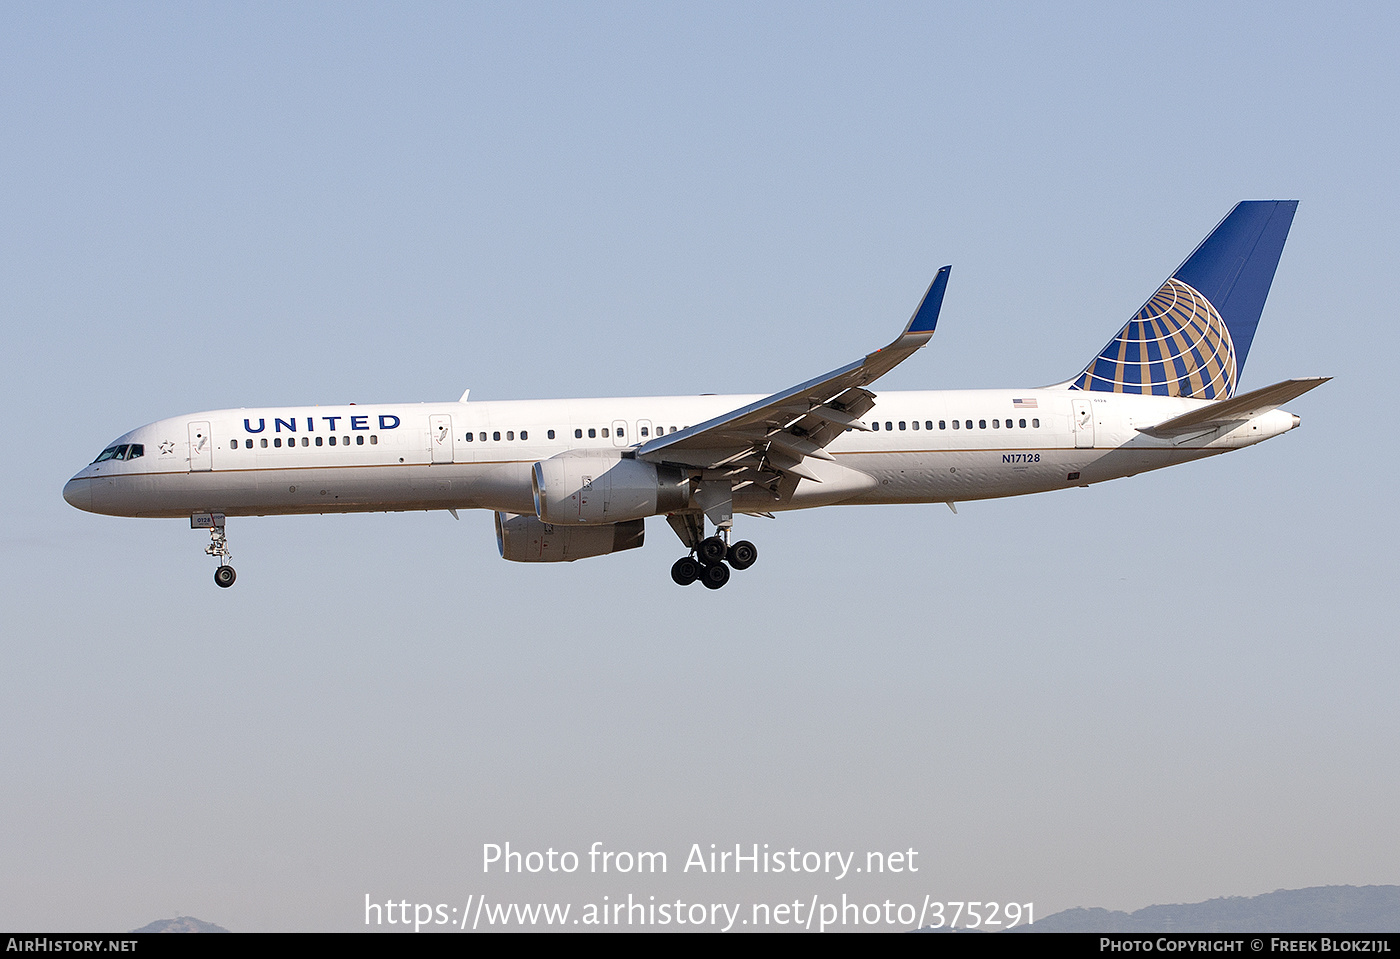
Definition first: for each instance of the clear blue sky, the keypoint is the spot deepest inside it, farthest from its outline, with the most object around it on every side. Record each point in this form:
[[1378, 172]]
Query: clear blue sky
[[1162, 689]]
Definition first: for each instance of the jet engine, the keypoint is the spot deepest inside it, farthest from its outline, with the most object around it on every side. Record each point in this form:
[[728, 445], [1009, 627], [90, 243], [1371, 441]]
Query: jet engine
[[524, 539], [591, 490]]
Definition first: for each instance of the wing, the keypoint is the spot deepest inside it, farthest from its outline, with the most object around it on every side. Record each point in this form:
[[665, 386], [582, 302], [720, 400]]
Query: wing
[[772, 436]]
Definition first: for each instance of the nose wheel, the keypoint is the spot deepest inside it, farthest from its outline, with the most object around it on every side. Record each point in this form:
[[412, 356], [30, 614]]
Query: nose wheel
[[218, 546]]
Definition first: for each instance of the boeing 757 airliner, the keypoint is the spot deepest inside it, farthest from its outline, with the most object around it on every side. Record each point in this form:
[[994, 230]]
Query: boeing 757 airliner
[[569, 479]]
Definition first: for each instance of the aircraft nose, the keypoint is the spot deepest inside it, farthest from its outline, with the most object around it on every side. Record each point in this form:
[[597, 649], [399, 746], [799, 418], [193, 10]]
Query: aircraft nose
[[78, 492]]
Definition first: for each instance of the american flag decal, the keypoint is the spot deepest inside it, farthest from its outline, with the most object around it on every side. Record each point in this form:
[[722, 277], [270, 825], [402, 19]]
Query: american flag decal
[[1025, 404]]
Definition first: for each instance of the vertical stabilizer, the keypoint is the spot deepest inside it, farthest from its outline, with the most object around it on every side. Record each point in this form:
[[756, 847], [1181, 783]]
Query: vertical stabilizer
[[1191, 338]]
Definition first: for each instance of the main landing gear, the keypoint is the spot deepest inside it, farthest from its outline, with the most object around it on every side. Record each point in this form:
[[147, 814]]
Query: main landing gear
[[711, 557], [707, 562], [218, 545]]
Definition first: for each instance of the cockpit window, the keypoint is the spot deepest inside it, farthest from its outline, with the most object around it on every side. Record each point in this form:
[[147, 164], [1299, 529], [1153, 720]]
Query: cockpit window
[[127, 451]]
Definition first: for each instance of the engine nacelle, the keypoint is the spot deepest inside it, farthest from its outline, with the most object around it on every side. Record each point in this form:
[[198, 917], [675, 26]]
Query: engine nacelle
[[592, 490], [524, 539]]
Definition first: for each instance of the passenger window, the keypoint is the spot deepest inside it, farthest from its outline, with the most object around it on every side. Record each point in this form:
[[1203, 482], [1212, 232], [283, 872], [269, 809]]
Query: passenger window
[[249, 444], [621, 432], [496, 435], [360, 440], [592, 433], [578, 434], [969, 424], [550, 434], [942, 424], [1035, 424], [305, 441], [981, 424], [234, 445], [915, 424], [646, 431], [373, 440], [469, 437], [605, 432], [264, 442], [673, 429], [996, 424], [901, 424], [524, 435], [1023, 424], [332, 440], [510, 435], [277, 442], [318, 441], [888, 425], [957, 424], [875, 426]]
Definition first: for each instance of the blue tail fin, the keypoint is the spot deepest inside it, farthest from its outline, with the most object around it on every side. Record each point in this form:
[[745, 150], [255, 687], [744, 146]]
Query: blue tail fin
[[1191, 338]]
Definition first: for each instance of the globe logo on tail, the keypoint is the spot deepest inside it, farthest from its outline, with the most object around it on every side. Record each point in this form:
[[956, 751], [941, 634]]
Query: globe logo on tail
[[1176, 345]]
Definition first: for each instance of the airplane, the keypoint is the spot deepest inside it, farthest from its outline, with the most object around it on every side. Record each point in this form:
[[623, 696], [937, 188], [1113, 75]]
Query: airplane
[[570, 479]]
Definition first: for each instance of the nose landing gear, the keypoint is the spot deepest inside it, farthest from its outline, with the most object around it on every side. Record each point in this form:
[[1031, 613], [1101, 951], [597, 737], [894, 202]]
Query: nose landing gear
[[218, 545]]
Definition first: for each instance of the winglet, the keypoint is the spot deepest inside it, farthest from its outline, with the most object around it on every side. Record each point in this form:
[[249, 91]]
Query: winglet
[[925, 318]]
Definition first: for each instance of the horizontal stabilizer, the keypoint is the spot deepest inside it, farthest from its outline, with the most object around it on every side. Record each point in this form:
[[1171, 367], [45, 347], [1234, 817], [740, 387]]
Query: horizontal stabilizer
[[1246, 406]]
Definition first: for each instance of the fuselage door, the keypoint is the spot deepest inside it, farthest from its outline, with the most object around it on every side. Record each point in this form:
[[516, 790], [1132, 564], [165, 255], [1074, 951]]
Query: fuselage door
[[619, 431], [440, 437], [201, 448], [1083, 424]]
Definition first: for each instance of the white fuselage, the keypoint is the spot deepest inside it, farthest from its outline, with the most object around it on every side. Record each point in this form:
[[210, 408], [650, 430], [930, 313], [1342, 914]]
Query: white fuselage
[[479, 455]]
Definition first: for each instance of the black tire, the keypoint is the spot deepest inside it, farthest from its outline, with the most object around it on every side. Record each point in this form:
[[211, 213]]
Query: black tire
[[715, 576], [685, 571], [225, 576], [713, 551], [743, 554]]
